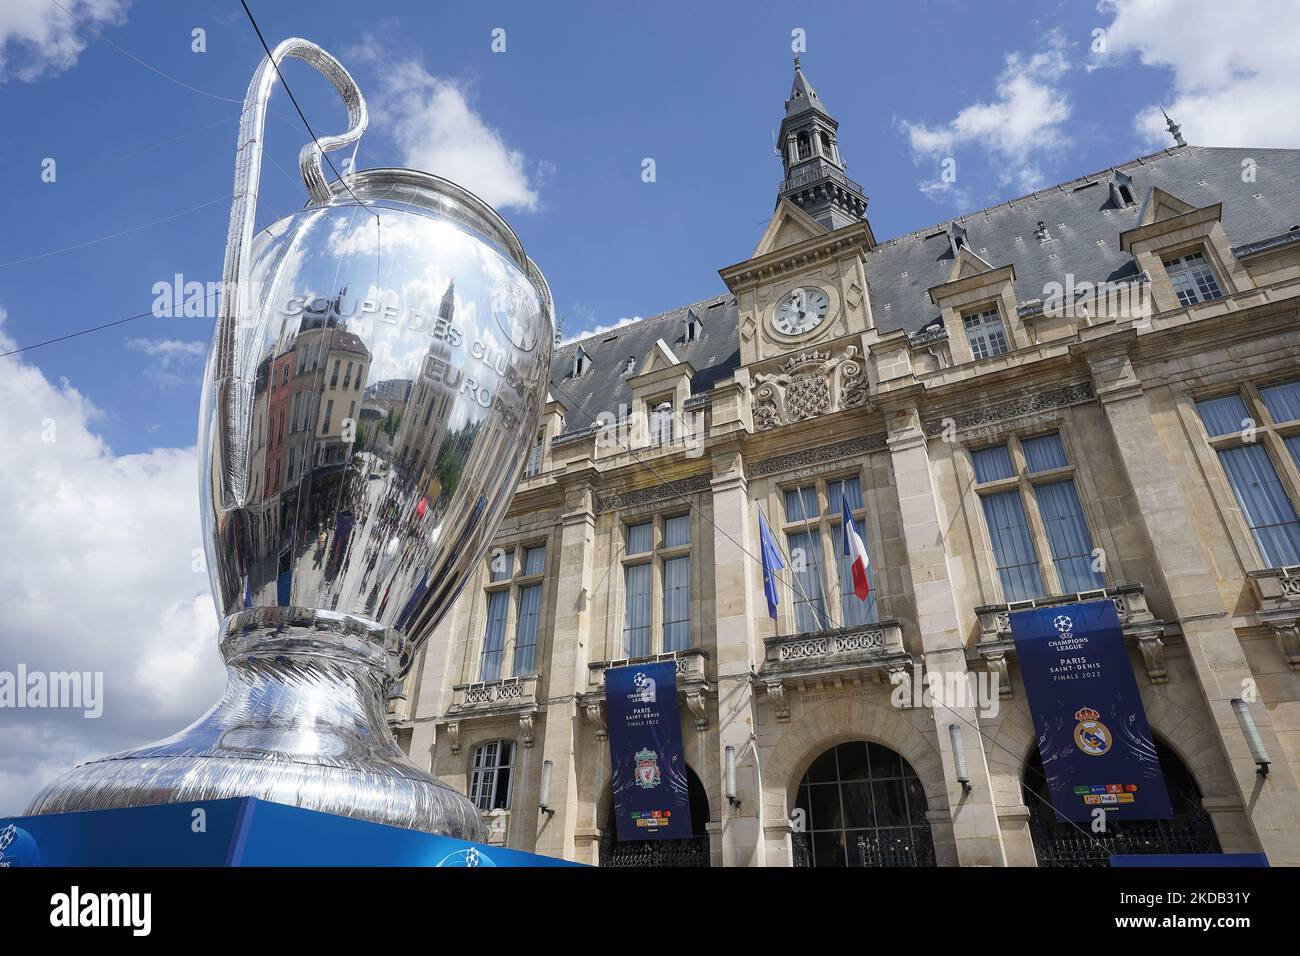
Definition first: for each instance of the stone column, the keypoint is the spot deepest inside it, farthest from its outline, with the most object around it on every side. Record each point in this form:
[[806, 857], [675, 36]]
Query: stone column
[[1273, 802], [735, 580], [567, 671], [975, 829]]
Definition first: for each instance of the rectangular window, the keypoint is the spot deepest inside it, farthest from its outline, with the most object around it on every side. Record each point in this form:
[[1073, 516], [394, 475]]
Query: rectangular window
[[1043, 453], [489, 785], [1282, 401], [534, 560], [677, 603], [329, 410], [985, 333], [1223, 416], [677, 531], [530, 603], [640, 538], [494, 638], [992, 464], [805, 549], [1013, 547], [661, 424], [1192, 278], [636, 611], [801, 503], [837, 491], [1264, 502], [1067, 535], [334, 378], [347, 376], [502, 565], [534, 459]]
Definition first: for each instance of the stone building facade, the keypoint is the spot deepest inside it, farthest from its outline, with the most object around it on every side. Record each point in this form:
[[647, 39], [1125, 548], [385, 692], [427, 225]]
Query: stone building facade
[[1092, 390]]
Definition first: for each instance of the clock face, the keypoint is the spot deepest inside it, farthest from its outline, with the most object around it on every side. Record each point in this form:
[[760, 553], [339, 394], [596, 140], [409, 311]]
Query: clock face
[[800, 310]]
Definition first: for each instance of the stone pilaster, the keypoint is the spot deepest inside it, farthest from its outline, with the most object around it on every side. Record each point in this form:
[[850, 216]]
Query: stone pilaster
[[1222, 670], [568, 666], [976, 833], [736, 578]]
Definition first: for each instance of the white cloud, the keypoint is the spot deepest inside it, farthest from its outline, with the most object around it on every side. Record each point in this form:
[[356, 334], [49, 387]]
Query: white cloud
[[1233, 67], [169, 351], [432, 121], [98, 575], [175, 360], [599, 330], [38, 39], [1022, 125]]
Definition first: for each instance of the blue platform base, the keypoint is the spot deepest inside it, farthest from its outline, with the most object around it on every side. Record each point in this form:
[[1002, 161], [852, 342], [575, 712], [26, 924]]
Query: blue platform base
[[236, 832]]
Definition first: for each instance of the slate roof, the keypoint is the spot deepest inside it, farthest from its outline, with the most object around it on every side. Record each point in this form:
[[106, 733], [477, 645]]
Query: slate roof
[[1080, 216], [1084, 225], [603, 386]]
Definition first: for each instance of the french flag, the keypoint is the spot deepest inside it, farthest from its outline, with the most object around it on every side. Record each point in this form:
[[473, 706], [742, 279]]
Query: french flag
[[856, 552]]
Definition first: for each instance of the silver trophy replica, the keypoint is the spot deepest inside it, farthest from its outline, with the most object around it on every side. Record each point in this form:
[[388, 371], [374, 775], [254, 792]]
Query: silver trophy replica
[[374, 384]]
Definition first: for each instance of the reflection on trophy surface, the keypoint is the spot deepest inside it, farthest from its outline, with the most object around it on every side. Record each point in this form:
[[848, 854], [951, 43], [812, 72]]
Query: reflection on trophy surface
[[374, 383]]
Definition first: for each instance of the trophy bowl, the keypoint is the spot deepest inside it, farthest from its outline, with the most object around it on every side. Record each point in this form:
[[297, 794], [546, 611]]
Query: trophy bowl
[[373, 387]]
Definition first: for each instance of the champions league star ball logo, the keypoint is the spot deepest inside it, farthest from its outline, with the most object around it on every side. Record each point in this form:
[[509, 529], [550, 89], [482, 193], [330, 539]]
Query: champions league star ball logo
[[17, 848], [645, 689], [470, 856], [1063, 624], [647, 769], [1090, 734]]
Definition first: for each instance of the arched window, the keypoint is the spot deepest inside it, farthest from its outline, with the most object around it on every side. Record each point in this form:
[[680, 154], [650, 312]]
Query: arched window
[[1061, 843], [862, 805], [491, 776], [826, 144], [804, 147], [690, 852]]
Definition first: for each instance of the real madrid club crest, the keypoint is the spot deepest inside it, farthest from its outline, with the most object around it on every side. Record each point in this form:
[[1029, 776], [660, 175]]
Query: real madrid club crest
[[1090, 734], [647, 769]]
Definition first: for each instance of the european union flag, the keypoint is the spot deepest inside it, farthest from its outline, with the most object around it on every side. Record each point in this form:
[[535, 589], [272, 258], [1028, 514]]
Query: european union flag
[[772, 562]]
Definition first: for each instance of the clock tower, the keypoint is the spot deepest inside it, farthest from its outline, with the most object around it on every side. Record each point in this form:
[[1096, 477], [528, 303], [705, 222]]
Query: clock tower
[[810, 152], [803, 291]]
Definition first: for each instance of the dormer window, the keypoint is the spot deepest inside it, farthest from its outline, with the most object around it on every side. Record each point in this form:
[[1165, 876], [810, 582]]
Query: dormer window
[[985, 333], [693, 326], [956, 238], [581, 362], [1193, 279], [1121, 190]]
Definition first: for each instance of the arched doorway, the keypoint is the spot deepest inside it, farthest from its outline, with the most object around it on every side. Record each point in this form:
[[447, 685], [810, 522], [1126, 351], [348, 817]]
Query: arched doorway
[[690, 852], [862, 804], [1060, 843]]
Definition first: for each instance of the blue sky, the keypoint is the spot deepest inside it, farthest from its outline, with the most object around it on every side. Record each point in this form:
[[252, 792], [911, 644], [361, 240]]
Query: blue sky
[[582, 94], [553, 130]]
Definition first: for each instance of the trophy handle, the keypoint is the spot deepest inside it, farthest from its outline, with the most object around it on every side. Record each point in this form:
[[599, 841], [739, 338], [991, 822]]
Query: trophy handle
[[234, 355]]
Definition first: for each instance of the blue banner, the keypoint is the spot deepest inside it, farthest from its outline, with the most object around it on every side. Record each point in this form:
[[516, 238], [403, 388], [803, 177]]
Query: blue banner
[[1092, 731], [240, 831], [651, 798]]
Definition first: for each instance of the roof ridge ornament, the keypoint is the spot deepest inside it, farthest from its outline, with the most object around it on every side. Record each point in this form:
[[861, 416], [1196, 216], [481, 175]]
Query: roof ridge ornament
[[1174, 129]]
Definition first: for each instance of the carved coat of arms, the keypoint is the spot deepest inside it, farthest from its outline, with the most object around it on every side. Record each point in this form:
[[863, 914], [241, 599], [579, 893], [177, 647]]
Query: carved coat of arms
[[807, 385]]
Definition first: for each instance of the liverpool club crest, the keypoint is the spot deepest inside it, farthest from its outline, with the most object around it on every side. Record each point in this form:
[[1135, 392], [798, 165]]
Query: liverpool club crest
[[647, 769]]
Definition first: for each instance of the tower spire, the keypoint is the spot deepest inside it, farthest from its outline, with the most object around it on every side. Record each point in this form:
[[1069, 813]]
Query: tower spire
[[810, 154], [1174, 129]]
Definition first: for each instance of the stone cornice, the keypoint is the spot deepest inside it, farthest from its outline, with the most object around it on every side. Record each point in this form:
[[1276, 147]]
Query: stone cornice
[[800, 255], [621, 500], [816, 456], [1076, 394]]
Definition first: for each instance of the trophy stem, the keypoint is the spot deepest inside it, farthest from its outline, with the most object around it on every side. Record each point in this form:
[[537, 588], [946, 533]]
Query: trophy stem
[[302, 721]]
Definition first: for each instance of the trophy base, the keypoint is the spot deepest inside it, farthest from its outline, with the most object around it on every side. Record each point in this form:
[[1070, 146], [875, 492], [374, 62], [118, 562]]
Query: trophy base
[[309, 731]]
